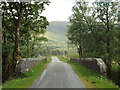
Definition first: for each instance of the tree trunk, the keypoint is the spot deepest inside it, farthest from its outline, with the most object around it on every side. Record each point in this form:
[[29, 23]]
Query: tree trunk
[[109, 62], [16, 46], [16, 55], [109, 69], [79, 48]]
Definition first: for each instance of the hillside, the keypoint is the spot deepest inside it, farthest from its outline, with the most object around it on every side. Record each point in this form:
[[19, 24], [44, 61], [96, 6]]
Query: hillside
[[56, 33]]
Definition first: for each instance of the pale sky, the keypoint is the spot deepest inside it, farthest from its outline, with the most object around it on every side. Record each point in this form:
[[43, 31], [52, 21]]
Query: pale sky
[[59, 10]]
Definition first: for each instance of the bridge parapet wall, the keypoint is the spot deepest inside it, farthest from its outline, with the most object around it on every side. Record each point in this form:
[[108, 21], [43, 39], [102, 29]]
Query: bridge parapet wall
[[26, 64], [95, 64]]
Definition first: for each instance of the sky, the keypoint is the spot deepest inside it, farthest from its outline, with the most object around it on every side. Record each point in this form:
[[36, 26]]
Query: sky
[[59, 10]]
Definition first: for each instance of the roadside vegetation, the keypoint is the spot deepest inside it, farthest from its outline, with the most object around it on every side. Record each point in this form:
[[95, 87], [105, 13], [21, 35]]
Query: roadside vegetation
[[95, 31], [92, 31], [23, 29], [27, 78], [89, 78], [116, 73]]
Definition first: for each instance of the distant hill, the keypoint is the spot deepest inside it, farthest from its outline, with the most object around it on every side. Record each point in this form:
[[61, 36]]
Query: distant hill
[[56, 33]]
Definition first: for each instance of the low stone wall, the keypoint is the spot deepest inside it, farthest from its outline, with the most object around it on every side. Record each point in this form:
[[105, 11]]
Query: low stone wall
[[26, 64], [95, 64]]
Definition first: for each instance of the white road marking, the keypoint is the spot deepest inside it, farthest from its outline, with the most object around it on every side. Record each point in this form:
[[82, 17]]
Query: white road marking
[[61, 77], [43, 74]]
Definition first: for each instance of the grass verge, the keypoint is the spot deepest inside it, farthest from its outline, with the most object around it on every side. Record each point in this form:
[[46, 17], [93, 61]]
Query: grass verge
[[29, 77], [89, 78]]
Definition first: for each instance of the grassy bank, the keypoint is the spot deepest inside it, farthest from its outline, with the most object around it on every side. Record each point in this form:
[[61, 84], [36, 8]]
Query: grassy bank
[[28, 77], [89, 78], [116, 73]]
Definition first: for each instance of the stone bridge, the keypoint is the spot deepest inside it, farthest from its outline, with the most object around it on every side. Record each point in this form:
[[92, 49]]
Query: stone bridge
[[95, 64], [26, 64]]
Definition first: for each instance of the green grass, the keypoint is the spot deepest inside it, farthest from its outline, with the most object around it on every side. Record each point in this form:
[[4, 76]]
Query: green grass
[[89, 78], [29, 77], [63, 58], [72, 52], [115, 67]]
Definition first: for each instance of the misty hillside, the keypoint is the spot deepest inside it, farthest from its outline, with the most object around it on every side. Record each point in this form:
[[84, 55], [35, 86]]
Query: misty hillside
[[56, 32]]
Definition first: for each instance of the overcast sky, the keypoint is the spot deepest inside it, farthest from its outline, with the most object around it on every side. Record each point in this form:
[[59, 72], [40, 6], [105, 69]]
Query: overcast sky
[[59, 10]]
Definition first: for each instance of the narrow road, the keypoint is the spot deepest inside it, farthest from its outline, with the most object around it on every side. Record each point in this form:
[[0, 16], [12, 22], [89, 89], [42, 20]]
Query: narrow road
[[58, 75]]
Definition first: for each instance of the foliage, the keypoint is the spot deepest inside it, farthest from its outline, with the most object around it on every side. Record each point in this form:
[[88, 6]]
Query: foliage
[[94, 31], [23, 30]]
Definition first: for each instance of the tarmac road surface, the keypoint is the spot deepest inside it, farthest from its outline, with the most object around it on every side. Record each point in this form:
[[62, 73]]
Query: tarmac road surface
[[58, 75]]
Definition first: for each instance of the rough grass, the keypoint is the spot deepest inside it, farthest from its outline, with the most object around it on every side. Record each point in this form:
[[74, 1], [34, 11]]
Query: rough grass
[[115, 67], [89, 78], [28, 77]]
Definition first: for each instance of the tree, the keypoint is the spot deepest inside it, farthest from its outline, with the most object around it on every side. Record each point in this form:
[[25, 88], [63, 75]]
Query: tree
[[20, 20], [107, 13], [77, 28], [98, 30]]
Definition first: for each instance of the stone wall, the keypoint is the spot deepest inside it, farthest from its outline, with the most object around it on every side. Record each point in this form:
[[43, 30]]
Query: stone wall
[[26, 64], [95, 64]]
